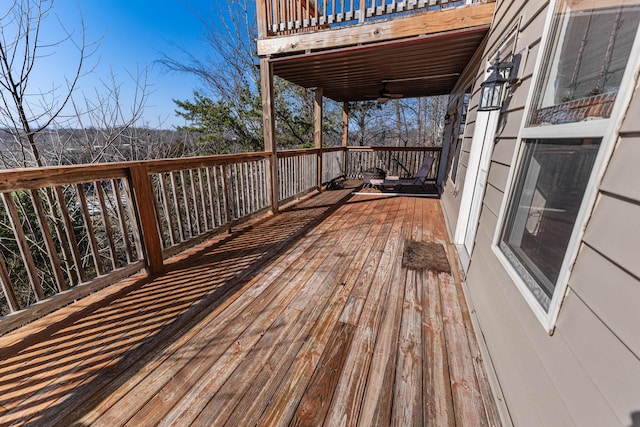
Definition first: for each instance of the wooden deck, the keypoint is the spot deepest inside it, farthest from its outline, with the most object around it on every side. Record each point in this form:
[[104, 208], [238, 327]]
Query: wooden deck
[[305, 318]]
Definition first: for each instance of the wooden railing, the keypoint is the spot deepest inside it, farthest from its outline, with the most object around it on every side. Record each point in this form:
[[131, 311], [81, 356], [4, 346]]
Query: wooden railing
[[68, 231], [198, 196], [65, 227], [297, 173], [397, 161], [287, 16], [333, 164]]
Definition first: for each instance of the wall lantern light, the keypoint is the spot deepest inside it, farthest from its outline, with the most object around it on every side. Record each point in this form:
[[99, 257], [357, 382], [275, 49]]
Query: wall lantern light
[[492, 89]]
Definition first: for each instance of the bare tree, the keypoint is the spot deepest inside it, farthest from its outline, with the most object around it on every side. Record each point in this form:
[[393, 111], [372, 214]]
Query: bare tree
[[35, 122], [26, 111], [229, 105]]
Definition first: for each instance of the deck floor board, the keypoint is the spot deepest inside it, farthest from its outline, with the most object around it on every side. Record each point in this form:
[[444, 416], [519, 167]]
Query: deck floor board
[[304, 318]]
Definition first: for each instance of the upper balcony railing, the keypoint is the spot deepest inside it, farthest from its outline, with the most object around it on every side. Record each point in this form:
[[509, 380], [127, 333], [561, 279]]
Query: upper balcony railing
[[291, 16], [67, 231]]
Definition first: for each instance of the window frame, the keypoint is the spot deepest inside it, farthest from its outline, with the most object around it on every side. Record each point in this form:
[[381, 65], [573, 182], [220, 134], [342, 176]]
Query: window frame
[[606, 129], [461, 105]]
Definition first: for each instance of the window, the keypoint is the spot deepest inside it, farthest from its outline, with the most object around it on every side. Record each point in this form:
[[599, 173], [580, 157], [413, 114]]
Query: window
[[582, 72], [546, 198], [458, 132], [588, 55]]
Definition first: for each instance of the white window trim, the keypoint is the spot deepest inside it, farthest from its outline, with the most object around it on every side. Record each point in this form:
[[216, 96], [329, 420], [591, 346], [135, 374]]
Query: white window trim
[[485, 121], [608, 130]]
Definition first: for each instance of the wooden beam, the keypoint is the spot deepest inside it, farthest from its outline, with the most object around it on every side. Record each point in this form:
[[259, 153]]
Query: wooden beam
[[268, 118], [410, 26], [345, 136], [145, 208], [345, 123], [317, 131]]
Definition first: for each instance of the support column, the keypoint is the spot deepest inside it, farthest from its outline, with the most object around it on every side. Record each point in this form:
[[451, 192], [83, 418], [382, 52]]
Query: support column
[[345, 136], [148, 223], [317, 132], [268, 119]]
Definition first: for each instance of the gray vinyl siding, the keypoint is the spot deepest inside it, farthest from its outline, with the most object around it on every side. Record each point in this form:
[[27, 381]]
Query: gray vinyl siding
[[588, 372]]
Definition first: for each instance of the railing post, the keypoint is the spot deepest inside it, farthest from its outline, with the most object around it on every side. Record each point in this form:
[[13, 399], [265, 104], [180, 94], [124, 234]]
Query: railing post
[[266, 85], [345, 136], [261, 18], [144, 207], [317, 132]]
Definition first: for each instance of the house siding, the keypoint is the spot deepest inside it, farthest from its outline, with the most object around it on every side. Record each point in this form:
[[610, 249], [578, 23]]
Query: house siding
[[588, 372]]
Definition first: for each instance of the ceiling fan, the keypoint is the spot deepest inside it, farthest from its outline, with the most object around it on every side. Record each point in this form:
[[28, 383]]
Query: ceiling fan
[[384, 95]]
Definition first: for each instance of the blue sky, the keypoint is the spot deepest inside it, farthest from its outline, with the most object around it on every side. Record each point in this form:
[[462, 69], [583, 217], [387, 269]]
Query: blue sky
[[131, 35]]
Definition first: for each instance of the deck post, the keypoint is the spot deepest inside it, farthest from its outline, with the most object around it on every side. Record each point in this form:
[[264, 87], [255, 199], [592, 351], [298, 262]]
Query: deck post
[[261, 18], [148, 223], [317, 131], [266, 85], [345, 135]]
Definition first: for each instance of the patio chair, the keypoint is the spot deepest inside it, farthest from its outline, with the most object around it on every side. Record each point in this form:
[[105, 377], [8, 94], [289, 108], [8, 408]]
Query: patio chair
[[420, 178]]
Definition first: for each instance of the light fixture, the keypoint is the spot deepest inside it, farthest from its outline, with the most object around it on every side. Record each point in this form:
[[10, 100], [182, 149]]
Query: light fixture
[[492, 89], [384, 95]]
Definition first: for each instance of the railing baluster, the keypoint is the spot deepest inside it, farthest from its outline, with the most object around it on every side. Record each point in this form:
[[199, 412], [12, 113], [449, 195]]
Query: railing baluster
[[186, 204], [93, 244], [115, 184], [107, 224], [203, 201], [226, 192], [236, 189], [23, 246], [5, 281], [207, 173], [194, 198], [249, 178], [71, 235], [244, 187], [167, 209], [176, 204], [219, 193], [54, 259], [133, 218]]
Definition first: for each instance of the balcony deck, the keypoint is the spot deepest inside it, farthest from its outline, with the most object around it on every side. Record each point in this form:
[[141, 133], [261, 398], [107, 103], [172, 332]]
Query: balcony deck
[[304, 318]]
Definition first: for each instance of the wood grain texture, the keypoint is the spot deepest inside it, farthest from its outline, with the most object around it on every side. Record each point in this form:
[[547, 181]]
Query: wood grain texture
[[378, 31], [148, 226], [317, 397], [262, 327]]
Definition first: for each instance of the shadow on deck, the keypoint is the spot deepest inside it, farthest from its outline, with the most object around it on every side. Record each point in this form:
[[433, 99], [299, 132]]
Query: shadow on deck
[[305, 318]]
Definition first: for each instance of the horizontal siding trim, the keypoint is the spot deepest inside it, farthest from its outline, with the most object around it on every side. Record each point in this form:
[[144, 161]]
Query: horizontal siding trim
[[623, 169], [611, 293], [613, 370], [614, 231]]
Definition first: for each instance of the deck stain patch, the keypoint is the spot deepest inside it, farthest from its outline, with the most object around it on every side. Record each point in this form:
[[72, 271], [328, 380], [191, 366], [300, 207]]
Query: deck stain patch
[[425, 256]]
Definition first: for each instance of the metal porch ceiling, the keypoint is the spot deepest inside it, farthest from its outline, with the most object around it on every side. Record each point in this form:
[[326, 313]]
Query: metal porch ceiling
[[419, 66]]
